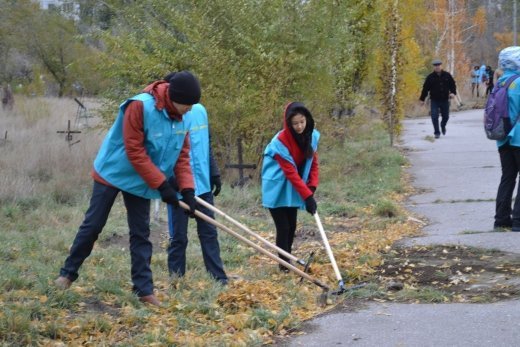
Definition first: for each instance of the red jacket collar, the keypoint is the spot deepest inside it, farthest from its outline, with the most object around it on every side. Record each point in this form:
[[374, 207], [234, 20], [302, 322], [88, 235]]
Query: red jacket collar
[[159, 90]]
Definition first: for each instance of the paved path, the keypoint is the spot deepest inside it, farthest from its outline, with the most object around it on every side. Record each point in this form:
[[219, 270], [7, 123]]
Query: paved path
[[459, 175]]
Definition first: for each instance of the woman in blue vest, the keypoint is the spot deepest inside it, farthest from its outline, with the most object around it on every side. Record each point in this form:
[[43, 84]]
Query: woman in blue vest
[[290, 173], [509, 148], [141, 152]]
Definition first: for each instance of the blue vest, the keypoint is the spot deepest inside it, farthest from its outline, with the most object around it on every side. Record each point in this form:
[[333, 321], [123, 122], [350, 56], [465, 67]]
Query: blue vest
[[277, 190], [513, 98], [197, 124], [164, 139]]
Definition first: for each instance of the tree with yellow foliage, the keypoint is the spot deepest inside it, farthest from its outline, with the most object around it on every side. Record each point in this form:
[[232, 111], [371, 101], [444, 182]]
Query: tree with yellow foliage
[[448, 32], [399, 60]]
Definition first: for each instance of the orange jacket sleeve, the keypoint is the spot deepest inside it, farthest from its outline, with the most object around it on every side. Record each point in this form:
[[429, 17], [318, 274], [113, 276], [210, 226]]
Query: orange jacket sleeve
[[314, 175], [133, 137], [292, 175], [182, 169]]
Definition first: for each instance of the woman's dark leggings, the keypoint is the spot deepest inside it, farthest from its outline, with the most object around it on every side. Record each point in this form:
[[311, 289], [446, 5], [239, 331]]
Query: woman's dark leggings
[[510, 160], [285, 222]]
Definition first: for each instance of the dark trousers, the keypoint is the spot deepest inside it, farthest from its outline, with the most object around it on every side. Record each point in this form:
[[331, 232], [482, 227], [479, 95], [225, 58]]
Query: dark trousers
[[285, 222], [510, 161], [489, 88], [178, 226], [138, 217], [444, 108]]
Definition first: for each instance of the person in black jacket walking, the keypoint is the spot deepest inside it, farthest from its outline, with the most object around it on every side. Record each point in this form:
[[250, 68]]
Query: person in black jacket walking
[[441, 87], [490, 81]]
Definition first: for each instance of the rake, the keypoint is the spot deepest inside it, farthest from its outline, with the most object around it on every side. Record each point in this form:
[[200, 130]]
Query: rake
[[305, 264]]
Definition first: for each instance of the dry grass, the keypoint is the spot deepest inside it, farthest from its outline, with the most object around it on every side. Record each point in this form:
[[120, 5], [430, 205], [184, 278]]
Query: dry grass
[[38, 161]]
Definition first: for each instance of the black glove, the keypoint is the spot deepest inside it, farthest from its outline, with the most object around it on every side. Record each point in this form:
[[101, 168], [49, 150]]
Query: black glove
[[313, 189], [310, 205], [173, 182], [216, 184], [188, 197], [168, 194]]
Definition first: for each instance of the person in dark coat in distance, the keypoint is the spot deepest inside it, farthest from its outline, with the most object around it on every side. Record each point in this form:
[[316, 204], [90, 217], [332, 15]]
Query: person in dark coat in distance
[[440, 86]]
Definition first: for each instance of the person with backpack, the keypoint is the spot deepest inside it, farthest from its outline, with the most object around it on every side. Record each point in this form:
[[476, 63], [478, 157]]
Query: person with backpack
[[441, 87], [207, 185], [509, 146], [147, 144], [290, 173]]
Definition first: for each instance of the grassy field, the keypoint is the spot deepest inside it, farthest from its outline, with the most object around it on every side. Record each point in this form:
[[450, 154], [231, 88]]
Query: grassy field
[[44, 191]]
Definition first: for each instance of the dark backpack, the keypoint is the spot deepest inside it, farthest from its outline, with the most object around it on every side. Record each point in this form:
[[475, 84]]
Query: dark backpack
[[497, 123]]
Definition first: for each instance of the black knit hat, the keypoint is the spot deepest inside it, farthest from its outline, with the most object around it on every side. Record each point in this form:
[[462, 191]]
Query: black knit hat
[[184, 88]]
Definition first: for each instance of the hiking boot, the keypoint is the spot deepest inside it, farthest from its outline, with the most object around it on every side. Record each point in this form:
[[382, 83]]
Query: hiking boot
[[437, 136], [150, 299], [443, 128], [63, 283]]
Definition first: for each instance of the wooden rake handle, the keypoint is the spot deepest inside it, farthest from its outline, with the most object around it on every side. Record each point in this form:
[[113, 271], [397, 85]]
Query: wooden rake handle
[[299, 272], [249, 231]]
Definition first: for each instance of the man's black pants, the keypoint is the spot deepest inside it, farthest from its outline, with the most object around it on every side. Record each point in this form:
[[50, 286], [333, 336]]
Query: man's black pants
[[138, 217]]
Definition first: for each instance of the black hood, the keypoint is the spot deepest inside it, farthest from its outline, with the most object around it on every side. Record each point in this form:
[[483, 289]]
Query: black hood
[[303, 140]]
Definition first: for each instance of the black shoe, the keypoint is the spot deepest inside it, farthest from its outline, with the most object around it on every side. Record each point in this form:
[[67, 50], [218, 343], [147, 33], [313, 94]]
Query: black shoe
[[443, 128], [437, 136], [506, 225]]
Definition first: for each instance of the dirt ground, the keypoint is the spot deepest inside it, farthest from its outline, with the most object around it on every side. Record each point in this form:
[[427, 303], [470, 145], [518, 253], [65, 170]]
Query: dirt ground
[[449, 274], [158, 236]]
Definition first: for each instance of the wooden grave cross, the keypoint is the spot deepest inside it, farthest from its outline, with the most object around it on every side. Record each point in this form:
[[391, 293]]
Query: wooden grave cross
[[240, 166], [69, 133]]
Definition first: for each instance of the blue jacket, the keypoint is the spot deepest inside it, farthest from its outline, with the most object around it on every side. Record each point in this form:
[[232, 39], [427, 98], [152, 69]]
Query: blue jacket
[[513, 98], [482, 74], [277, 191], [475, 76], [164, 139], [201, 156]]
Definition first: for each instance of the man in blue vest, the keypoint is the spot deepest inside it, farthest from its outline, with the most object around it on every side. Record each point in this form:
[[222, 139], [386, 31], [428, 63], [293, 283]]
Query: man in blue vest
[[207, 178], [145, 147]]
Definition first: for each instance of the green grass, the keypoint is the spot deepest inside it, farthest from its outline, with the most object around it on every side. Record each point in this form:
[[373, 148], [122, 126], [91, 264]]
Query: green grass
[[424, 294], [386, 208], [440, 201], [370, 291]]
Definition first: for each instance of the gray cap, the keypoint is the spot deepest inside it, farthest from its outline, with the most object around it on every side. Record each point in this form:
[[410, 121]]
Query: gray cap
[[436, 62]]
